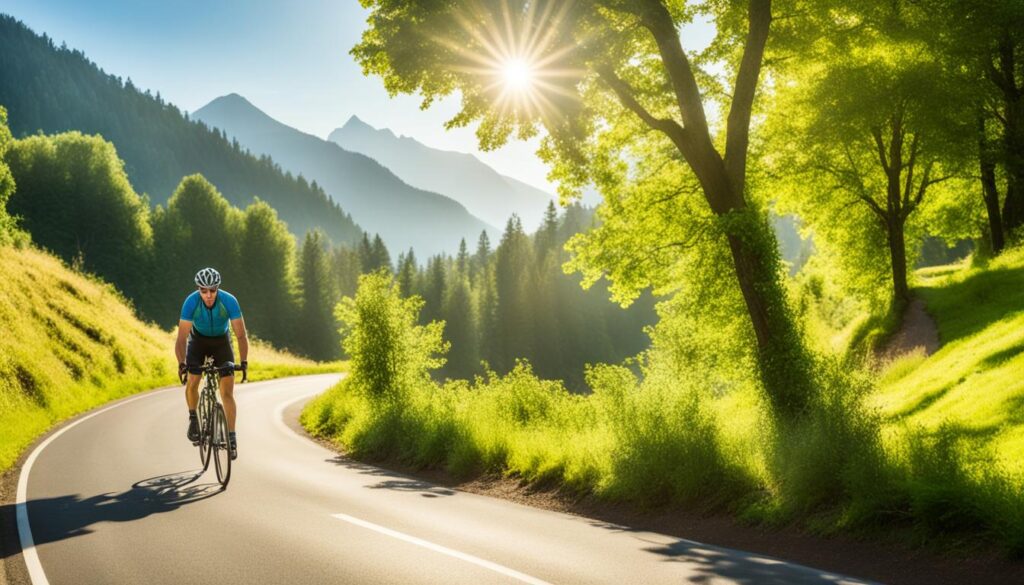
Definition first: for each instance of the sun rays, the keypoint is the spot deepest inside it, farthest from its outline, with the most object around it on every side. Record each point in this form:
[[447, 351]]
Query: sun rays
[[518, 52]]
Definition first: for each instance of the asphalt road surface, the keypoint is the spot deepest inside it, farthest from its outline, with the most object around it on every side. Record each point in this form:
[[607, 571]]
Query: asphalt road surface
[[115, 497]]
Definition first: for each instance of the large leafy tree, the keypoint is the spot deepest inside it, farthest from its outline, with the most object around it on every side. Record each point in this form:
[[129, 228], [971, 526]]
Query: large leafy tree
[[7, 229], [983, 41], [74, 198], [609, 81], [268, 280], [863, 137]]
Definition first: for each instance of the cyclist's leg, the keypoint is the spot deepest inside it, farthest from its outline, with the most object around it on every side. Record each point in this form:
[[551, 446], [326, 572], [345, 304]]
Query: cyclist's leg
[[223, 355], [192, 390], [194, 356], [227, 396]]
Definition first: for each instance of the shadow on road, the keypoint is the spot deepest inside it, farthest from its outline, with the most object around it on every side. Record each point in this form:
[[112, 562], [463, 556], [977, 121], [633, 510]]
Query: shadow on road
[[62, 517], [395, 481], [712, 564]]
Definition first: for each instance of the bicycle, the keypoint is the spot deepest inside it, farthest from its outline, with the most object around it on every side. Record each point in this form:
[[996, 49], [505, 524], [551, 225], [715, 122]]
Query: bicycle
[[213, 424]]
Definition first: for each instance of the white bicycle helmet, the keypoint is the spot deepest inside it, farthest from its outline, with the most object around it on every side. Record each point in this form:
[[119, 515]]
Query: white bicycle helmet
[[208, 278]]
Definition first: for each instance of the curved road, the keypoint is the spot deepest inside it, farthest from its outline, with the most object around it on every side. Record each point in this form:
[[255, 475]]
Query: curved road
[[115, 498]]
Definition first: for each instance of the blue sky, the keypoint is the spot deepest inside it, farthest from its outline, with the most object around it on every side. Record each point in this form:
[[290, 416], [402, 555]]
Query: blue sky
[[289, 58]]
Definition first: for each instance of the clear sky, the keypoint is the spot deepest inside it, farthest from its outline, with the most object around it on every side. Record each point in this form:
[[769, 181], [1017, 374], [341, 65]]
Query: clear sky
[[290, 59]]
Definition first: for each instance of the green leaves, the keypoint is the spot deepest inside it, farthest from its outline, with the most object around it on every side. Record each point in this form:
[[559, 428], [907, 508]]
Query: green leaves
[[390, 352]]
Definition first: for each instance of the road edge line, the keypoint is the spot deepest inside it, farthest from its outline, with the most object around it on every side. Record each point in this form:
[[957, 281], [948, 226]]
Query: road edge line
[[28, 548]]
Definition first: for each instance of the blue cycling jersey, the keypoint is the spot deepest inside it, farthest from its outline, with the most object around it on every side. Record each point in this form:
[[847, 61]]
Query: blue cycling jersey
[[211, 321]]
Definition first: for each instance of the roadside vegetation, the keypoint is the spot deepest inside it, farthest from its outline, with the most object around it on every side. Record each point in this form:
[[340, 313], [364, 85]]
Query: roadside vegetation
[[873, 453]]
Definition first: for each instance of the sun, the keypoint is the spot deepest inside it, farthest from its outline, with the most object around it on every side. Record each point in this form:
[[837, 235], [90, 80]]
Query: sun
[[516, 53], [518, 74]]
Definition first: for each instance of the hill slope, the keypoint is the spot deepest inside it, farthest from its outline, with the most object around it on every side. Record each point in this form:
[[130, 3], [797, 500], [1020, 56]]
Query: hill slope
[[56, 89], [70, 344], [973, 386], [485, 193], [404, 216]]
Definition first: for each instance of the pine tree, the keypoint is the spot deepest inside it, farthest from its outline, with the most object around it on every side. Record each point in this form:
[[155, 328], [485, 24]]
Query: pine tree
[[380, 255], [318, 333], [407, 273], [514, 281]]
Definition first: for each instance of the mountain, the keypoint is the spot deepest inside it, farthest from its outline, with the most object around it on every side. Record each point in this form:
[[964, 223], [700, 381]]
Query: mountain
[[55, 89], [404, 216], [485, 193]]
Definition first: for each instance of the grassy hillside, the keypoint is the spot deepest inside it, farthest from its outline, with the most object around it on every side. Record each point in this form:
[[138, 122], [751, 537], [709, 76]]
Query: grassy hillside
[[70, 343], [973, 387]]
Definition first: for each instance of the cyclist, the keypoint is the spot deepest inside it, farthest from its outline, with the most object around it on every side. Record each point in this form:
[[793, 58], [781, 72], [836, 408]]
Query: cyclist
[[204, 325]]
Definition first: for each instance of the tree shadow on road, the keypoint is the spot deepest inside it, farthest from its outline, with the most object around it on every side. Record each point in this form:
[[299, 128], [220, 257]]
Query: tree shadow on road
[[711, 564], [62, 517], [395, 481]]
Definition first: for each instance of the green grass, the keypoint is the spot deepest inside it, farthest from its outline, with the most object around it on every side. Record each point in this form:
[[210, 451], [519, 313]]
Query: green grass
[[973, 387], [928, 451], [71, 343]]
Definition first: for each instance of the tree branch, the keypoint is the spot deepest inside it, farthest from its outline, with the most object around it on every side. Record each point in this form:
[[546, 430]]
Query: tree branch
[[656, 18], [908, 186], [876, 133], [628, 99], [738, 130]]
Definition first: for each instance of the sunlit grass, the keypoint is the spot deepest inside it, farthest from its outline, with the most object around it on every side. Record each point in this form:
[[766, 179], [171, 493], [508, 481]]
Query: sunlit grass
[[929, 450], [974, 385]]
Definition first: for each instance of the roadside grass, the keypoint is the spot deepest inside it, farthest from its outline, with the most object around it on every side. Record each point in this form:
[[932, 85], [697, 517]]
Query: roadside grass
[[71, 343], [929, 450], [971, 391]]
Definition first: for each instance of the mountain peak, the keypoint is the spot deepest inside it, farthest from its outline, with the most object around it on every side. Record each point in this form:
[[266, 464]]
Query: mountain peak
[[355, 126]]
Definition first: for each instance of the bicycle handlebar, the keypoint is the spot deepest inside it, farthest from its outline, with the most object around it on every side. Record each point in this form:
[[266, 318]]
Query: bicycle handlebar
[[229, 367]]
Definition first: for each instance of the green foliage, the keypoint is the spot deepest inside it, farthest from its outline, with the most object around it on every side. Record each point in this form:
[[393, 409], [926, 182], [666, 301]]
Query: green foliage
[[268, 281], [74, 197], [318, 337], [390, 353], [8, 231], [866, 143]]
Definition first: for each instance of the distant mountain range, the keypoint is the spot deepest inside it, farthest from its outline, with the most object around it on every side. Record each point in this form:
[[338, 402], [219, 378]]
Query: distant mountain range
[[485, 193], [56, 89], [403, 215]]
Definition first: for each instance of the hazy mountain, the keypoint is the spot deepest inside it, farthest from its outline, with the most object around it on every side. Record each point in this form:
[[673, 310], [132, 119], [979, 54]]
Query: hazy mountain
[[56, 89], [403, 215], [485, 193]]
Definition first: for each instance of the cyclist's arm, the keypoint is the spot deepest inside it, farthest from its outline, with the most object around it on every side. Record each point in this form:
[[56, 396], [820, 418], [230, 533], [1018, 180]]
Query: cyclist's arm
[[184, 327], [238, 325]]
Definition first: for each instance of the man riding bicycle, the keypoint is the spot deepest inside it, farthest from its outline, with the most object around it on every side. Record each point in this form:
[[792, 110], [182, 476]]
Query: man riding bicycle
[[204, 325]]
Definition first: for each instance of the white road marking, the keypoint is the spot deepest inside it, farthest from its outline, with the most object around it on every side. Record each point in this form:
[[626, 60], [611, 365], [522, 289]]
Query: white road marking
[[443, 550], [28, 546]]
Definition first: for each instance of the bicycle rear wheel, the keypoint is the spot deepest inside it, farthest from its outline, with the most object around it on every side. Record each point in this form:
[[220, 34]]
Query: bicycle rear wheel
[[221, 448]]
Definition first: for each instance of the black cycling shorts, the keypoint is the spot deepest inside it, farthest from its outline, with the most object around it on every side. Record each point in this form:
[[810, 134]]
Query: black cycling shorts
[[200, 346]]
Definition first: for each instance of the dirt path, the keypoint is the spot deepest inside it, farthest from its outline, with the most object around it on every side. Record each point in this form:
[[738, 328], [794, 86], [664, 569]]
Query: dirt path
[[917, 332]]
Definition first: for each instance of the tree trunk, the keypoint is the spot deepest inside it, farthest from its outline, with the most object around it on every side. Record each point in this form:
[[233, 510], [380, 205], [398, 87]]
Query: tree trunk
[[898, 256], [1013, 141], [782, 358], [989, 191]]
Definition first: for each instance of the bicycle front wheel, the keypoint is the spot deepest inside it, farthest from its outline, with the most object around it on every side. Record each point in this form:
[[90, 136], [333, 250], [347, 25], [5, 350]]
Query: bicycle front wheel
[[203, 412], [221, 448]]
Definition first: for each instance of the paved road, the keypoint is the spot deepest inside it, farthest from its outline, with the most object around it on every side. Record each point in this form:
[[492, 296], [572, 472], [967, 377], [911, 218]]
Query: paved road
[[115, 498]]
